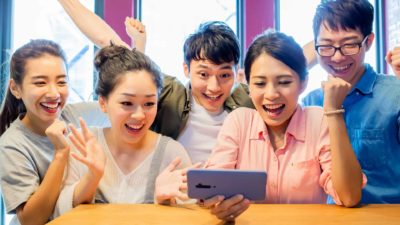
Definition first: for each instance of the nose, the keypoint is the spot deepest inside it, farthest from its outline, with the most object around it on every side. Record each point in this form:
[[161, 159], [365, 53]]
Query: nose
[[53, 92], [138, 113], [338, 56], [213, 84], [271, 92]]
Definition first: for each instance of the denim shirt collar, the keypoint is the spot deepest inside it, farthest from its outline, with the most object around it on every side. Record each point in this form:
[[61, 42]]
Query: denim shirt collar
[[367, 81]]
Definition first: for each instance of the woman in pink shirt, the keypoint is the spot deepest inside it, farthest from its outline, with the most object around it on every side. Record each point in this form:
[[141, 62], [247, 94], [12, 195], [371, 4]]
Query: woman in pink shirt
[[304, 161]]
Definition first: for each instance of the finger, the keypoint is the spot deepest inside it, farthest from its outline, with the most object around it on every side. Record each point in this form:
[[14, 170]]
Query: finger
[[227, 204], [243, 206], [81, 159], [213, 201], [183, 187], [77, 135], [175, 163], [388, 57], [87, 134], [194, 166], [81, 148], [181, 196]]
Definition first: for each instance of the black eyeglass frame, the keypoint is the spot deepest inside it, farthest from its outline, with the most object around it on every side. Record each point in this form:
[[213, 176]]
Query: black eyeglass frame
[[359, 44]]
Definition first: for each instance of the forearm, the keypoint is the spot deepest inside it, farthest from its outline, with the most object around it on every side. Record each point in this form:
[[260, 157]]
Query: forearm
[[91, 25], [86, 189], [346, 170], [310, 54], [140, 45], [40, 205]]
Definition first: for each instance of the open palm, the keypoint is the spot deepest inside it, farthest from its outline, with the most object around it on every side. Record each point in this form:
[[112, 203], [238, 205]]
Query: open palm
[[90, 152]]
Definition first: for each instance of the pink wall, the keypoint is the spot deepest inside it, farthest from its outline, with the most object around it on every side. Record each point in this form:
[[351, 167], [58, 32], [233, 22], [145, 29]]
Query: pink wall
[[115, 13], [259, 16]]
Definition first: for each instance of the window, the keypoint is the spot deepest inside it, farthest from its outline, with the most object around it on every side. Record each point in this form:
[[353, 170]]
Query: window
[[296, 20], [166, 31], [46, 19], [393, 26]]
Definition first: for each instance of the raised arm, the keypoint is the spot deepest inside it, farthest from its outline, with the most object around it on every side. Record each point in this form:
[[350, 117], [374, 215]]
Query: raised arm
[[310, 54], [92, 155], [91, 25], [137, 32], [346, 171], [393, 58]]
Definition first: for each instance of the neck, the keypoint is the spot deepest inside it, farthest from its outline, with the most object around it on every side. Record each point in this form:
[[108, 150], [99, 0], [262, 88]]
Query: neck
[[277, 135], [37, 127], [119, 146]]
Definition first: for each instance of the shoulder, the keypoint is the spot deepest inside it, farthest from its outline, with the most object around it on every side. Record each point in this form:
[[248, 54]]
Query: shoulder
[[242, 116], [174, 149], [18, 136], [387, 81], [239, 97], [314, 98], [171, 83]]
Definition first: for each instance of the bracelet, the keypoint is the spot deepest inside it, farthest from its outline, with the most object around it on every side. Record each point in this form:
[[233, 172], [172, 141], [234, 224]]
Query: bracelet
[[333, 112]]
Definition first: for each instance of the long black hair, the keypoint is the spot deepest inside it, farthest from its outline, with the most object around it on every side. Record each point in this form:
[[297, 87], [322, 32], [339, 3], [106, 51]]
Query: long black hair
[[12, 107]]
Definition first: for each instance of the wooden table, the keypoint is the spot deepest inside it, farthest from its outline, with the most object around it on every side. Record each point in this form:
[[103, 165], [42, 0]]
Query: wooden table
[[148, 214]]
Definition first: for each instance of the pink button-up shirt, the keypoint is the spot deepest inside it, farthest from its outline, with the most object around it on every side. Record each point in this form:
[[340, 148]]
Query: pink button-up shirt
[[298, 172]]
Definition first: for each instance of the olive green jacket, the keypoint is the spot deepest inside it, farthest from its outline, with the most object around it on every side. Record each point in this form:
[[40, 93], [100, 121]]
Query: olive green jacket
[[174, 106]]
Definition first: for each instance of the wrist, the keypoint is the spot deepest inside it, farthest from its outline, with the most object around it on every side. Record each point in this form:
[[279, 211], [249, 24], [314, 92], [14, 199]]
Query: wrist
[[333, 112], [61, 153]]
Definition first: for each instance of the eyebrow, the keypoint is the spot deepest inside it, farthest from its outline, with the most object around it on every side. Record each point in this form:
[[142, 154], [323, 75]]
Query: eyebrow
[[279, 76], [135, 95], [222, 67], [344, 39], [46, 77]]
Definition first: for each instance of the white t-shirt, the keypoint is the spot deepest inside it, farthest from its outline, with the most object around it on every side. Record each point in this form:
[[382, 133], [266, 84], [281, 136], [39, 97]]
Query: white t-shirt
[[201, 131]]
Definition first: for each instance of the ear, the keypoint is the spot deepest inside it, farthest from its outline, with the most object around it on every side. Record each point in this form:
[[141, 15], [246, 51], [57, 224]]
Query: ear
[[103, 104], [370, 40], [15, 89], [186, 70], [303, 84]]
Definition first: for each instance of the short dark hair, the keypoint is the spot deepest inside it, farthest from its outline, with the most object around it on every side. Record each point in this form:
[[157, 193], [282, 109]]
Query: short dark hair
[[344, 14], [214, 41], [112, 62], [281, 47]]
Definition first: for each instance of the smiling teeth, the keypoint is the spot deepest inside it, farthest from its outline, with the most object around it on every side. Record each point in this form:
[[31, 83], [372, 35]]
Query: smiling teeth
[[273, 106], [213, 97], [341, 67], [50, 105], [136, 127]]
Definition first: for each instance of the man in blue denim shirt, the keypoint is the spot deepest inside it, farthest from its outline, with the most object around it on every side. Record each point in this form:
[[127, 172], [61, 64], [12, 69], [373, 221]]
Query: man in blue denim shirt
[[371, 109]]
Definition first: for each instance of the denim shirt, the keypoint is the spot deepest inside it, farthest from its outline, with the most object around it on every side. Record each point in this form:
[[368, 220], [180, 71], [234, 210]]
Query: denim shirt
[[372, 116]]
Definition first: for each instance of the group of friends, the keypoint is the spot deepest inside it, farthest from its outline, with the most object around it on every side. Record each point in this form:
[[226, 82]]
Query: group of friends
[[341, 145]]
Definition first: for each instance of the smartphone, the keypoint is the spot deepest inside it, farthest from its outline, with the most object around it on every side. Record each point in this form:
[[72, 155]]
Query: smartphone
[[206, 183]]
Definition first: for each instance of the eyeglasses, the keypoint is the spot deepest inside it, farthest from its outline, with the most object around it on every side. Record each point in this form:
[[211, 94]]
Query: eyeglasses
[[346, 49]]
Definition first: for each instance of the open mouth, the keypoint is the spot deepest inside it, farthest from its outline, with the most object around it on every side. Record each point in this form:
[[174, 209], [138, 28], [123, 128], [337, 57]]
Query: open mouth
[[274, 110], [50, 107], [213, 98], [134, 128], [341, 69]]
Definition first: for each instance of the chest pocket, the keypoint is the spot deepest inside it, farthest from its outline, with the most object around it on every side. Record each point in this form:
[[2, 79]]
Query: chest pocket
[[306, 175], [369, 146]]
